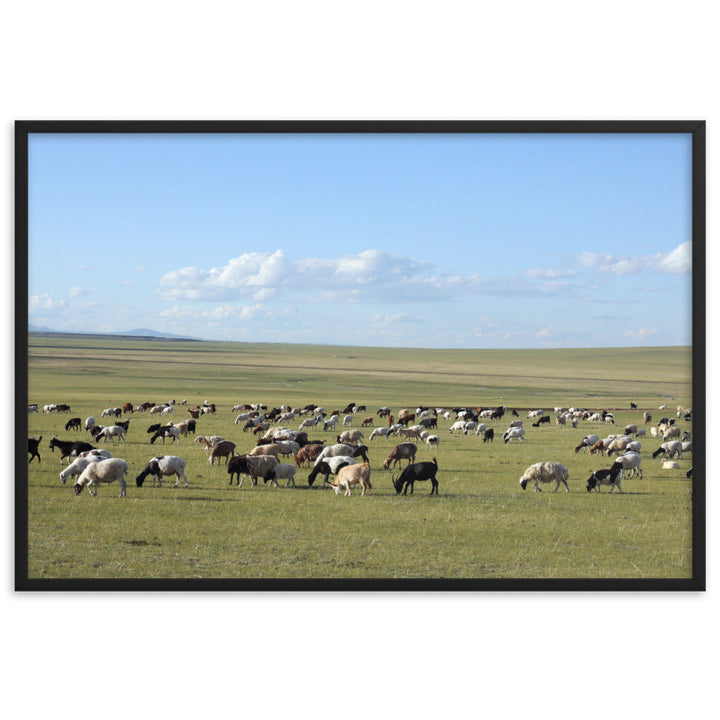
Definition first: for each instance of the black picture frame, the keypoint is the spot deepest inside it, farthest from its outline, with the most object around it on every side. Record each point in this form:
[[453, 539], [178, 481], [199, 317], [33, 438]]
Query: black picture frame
[[24, 129]]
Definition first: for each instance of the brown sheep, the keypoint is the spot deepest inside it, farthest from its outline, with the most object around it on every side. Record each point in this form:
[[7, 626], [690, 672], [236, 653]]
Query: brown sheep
[[225, 449]]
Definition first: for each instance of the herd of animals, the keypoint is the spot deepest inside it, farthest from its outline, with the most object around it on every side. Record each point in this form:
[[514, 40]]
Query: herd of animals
[[339, 462]]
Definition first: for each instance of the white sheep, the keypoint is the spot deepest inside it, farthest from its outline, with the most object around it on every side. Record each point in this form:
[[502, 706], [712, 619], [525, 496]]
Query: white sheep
[[670, 465], [431, 440], [103, 471], [380, 432], [90, 422], [457, 426], [77, 466], [546, 472], [480, 429], [113, 431]]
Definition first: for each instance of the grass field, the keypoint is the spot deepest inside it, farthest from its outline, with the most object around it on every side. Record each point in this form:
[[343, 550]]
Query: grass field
[[482, 525]]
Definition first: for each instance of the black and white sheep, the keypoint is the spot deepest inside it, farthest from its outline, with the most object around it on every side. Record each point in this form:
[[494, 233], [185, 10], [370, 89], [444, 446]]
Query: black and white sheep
[[163, 465], [609, 477]]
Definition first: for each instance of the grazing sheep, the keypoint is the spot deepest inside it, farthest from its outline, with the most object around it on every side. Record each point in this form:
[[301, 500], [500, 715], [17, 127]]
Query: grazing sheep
[[618, 444], [103, 471], [586, 442], [34, 448], [271, 449], [417, 472], [668, 449], [90, 423], [410, 433], [380, 432], [489, 435], [432, 440], [629, 461], [350, 437], [307, 454], [402, 451], [208, 441], [457, 426], [670, 465], [544, 420], [77, 466], [480, 429], [609, 477], [225, 449], [73, 424], [163, 465], [330, 466], [631, 429], [546, 472], [514, 434], [282, 471], [353, 475], [671, 432], [287, 447], [114, 431], [254, 466], [166, 431]]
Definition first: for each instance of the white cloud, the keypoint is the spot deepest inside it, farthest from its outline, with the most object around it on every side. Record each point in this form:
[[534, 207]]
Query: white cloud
[[76, 292], [675, 262], [548, 273], [38, 303], [640, 334]]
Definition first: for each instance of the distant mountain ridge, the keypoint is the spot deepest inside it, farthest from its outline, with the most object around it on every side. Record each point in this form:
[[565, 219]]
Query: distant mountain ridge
[[137, 332]]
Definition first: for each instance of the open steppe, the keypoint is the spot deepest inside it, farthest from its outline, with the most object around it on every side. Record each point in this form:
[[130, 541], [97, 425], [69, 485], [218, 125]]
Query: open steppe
[[481, 526]]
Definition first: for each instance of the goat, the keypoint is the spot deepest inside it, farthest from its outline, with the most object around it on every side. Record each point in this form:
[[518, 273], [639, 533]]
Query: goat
[[415, 473], [353, 475], [69, 447], [350, 437], [73, 424], [402, 451], [489, 435], [34, 448]]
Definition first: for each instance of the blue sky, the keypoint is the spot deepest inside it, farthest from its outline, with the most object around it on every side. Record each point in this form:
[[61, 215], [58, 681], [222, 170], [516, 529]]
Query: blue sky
[[396, 240]]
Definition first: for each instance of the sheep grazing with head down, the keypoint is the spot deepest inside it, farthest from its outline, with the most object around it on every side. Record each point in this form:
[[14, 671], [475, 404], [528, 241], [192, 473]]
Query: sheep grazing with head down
[[353, 475], [546, 472], [103, 471], [163, 465]]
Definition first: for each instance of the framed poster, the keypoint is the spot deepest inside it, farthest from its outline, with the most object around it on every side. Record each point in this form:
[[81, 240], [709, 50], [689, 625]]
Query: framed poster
[[497, 327]]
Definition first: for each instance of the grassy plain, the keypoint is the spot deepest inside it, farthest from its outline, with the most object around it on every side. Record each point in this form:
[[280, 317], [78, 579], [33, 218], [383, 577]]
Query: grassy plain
[[482, 525]]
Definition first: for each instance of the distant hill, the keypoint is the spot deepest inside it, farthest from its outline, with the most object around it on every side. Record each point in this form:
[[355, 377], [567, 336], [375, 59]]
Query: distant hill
[[138, 332]]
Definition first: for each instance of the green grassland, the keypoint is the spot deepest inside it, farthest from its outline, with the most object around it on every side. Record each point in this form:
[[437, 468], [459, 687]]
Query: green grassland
[[482, 524]]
